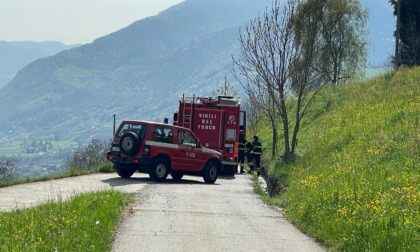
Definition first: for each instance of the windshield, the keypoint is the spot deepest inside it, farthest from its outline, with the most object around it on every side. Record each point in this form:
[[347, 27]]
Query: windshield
[[139, 129]]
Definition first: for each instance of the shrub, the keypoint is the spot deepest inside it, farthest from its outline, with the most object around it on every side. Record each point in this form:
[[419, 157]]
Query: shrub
[[7, 167], [90, 156]]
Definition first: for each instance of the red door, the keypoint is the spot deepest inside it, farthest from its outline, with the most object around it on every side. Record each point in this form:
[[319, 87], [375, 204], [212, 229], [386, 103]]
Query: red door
[[189, 156]]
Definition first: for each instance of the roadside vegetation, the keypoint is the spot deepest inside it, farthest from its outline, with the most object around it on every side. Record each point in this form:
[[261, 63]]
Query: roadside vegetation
[[104, 168], [85, 222], [84, 160], [355, 184]]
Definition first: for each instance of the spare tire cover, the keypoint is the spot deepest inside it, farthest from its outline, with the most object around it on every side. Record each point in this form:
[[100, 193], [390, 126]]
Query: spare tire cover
[[129, 143]]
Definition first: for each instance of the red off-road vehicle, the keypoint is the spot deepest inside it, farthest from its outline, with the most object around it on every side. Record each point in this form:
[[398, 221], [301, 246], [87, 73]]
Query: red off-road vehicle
[[159, 149]]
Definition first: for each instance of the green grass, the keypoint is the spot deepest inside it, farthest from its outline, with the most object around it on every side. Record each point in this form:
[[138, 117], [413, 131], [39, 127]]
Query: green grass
[[85, 222], [357, 185], [17, 148]]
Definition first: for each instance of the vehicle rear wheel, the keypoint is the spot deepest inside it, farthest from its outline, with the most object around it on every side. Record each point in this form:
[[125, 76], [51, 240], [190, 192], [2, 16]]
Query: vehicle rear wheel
[[177, 175], [211, 172], [124, 172], [129, 143], [159, 170]]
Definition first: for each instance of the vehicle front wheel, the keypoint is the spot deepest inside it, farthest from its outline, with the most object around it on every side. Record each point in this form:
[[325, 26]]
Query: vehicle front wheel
[[159, 170], [211, 172]]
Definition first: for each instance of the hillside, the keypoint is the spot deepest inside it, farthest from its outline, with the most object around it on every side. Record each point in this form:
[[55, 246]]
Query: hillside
[[136, 72], [17, 54], [185, 49], [357, 184]]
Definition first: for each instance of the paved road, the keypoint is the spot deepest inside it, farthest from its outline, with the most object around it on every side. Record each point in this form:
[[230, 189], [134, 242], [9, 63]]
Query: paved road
[[188, 215], [27, 195]]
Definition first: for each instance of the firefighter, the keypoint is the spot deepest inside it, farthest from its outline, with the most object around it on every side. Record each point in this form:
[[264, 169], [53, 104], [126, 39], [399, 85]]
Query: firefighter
[[257, 151], [249, 156], [241, 150]]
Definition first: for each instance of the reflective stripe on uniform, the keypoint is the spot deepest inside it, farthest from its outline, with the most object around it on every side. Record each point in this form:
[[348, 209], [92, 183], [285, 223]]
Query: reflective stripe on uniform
[[257, 148]]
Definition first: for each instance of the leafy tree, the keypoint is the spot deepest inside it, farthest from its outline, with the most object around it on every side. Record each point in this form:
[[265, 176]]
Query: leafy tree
[[288, 55], [341, 38], [408, 32], [8, 167], [264, 65]]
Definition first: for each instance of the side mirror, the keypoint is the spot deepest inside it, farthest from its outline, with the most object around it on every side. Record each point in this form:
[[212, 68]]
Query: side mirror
[[198, 144], [175, 118]]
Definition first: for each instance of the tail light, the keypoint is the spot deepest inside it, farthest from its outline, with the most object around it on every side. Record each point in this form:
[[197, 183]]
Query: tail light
[[229, 156]]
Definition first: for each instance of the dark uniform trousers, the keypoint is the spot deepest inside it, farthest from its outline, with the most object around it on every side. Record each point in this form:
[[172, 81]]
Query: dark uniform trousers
[[241, 152], [256, 153], [249, 155]]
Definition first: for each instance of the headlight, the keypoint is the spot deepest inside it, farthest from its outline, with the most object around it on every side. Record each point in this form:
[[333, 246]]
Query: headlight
[[115, 148]]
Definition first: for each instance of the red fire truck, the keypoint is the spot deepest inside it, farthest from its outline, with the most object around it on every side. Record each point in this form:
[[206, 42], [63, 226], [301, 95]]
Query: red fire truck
[[216, 122]]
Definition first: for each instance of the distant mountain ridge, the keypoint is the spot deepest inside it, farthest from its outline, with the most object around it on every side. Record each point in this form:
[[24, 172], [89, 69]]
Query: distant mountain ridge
[[136, 72], [130, 69], [16, 54]]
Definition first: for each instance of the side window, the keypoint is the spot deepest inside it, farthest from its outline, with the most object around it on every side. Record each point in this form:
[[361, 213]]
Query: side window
[[139, 129], [162, 134], [158, 134], [231, 134], [167, 135], [185, 138]]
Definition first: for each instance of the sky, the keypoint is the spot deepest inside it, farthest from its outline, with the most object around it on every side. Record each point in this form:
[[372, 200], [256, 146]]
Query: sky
[[72, 21]]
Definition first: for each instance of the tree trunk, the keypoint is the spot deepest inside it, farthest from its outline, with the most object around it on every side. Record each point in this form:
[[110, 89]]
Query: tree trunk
[[274, 144]]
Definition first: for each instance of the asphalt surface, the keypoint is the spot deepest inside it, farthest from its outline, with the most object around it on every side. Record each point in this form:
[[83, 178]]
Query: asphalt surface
[[186, 215]]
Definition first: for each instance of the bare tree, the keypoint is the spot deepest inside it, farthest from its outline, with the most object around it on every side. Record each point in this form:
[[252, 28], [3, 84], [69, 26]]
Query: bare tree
[[262, 104], [8, 167], [289, 55], [89, 156], [266, 60]]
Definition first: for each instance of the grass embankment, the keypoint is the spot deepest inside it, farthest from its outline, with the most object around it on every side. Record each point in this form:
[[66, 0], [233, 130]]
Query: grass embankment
[[86, 222], [357, 185]]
